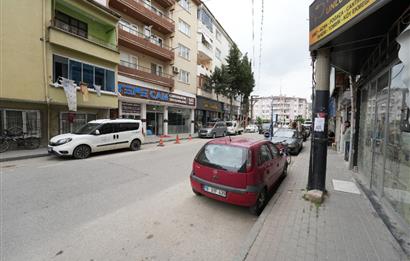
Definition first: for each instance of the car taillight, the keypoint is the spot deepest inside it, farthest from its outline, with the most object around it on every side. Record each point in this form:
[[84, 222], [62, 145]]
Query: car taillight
[[249, 161]]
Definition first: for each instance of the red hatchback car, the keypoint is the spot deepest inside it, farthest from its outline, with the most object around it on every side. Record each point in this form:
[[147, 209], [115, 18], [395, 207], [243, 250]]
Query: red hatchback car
[[238, 171]]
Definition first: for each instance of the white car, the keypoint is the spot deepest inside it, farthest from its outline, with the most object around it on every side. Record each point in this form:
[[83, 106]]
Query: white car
[[98, 135], [234, 128], [251, 128]]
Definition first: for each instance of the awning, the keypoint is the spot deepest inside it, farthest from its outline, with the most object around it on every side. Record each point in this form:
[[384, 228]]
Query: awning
[[206, 38]]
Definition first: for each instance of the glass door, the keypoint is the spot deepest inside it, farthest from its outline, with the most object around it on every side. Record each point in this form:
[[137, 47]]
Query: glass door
[[379, 133]]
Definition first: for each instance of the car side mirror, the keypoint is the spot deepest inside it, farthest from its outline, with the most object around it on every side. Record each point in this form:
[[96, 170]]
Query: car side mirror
[[97, 132]]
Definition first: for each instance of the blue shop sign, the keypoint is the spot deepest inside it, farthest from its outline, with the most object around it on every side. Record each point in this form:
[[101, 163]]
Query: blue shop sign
[[150, 94]]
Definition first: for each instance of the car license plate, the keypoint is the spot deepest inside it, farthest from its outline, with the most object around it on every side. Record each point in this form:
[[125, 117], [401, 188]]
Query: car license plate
[[215, 191]]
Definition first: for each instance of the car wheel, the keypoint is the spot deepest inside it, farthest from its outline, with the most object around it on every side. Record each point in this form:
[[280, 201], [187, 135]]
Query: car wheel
[[82, 152], [260, 203], [214, 135], [196, 192], [135, 145]]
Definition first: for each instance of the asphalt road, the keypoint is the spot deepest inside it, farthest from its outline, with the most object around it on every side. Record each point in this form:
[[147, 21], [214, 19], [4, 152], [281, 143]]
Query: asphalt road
[[115, 206]]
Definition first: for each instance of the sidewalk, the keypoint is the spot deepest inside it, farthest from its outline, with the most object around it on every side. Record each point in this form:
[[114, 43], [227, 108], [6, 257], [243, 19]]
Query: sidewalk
[[344, 227], [41, 152]]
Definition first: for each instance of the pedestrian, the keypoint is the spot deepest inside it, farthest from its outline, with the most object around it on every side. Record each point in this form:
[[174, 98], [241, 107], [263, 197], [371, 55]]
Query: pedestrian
[[346, 138]]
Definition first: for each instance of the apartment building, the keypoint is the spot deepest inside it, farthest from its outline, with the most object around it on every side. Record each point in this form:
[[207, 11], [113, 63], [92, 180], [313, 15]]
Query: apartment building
[[287, 108], [213, 44], [43, 40], [156, 75]]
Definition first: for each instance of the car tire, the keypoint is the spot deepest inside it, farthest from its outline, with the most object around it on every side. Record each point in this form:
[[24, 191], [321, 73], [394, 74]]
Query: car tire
[[135, 145], [196, 192], [82, 152], [214, 135], [260, 203]]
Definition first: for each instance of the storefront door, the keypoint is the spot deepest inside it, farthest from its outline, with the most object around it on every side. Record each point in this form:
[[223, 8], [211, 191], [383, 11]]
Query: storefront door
[[155, 123], [379, 134]]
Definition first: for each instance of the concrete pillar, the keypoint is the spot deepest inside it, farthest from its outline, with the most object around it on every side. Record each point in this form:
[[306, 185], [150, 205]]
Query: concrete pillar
[[192, 121], [165, 120], [144, 117], [318, 154]]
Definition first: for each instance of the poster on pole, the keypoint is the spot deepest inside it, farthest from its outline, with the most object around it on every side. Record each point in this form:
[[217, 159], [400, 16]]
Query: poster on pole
[[319, 124]]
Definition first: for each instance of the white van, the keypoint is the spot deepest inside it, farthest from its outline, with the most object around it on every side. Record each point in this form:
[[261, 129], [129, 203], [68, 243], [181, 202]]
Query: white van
[[98, 135], [234, 127]]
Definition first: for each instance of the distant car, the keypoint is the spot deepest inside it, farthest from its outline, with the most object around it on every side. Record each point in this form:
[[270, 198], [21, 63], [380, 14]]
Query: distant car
[[251, 128], [291, 137], [240, 172], [98, 135], [234, 127], [213, 130], [264, 128]]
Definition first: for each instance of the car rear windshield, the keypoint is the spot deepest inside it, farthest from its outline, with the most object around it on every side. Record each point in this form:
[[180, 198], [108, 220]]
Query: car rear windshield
[[87, 128], [225, 157]]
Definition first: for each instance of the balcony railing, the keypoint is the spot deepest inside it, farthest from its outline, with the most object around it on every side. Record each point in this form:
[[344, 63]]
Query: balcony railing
[[144, 43], [81, 33], [166, 3], [146, 74], [145, 12]]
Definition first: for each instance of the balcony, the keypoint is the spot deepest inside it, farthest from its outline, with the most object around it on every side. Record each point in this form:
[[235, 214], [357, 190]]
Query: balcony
[[166, 3], [145, 13], [144, 44], [145, 74]]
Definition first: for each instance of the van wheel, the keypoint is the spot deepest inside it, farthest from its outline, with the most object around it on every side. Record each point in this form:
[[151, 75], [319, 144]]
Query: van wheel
[[81, 152], [260, 203], [135, 145]]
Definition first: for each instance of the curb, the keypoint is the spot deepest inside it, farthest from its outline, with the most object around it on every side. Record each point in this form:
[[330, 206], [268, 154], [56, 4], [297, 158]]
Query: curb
[[46, 153]]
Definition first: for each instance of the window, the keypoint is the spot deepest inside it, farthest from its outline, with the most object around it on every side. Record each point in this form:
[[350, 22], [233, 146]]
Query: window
[[156, 40], [129, 60], [71, 121], [184, 4], [264, 155], [70, 24], [82, 72], [156, 69], [147, 31], [183, 76], [20, 121], [274, 150], [107, 128], [183, 51], [218, 35], [128, 126], [230, 158], [184, 28], [206, 19], [218, 53], [131, 28]]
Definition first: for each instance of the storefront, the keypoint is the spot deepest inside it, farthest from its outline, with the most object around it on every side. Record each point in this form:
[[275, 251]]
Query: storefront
[[207, 110], [161, 112]]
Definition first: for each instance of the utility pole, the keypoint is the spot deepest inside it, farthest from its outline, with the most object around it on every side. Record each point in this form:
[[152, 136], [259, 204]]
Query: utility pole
[[254, 99], [317, 173]]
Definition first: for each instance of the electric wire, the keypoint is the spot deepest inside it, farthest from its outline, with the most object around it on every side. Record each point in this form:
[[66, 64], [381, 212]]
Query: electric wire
[[261, 43]]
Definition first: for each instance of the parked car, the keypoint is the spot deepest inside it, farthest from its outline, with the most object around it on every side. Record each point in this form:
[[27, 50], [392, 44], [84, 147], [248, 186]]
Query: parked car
[[240, 172], [251, 128], [213, 130], [98, 135], [291, 137], [264, 128], [234, 127]]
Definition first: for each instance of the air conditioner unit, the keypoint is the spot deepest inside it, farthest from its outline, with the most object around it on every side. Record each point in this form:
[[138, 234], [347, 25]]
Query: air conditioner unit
[[175, 69]]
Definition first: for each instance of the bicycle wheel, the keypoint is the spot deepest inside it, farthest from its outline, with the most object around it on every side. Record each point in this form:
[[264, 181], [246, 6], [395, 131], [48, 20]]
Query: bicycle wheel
[[31, 143], [4, 145]]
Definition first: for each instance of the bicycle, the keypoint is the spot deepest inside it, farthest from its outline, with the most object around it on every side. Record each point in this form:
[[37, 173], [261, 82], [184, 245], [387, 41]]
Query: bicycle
[[11, 138]]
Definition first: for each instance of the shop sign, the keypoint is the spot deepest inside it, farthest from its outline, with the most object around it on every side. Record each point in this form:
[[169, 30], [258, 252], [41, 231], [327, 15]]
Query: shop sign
[[208, 105], [127, 107], [325, 17], [155, 95]]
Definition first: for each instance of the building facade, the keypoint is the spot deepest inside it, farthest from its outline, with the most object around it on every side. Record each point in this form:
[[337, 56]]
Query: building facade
[[71, 39], [370, 91], [213, 44], [286, 108]]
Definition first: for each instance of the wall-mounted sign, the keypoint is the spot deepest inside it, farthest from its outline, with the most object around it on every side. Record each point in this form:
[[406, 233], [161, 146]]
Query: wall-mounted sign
[[127, 107], [325, 16], [130, 90], [208, 104]]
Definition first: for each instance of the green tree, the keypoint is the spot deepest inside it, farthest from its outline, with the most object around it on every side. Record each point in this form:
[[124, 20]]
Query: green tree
[[259, 120]]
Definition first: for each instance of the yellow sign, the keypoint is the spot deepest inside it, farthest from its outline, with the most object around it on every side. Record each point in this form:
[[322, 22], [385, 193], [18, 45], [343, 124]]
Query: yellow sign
[[338, 19]]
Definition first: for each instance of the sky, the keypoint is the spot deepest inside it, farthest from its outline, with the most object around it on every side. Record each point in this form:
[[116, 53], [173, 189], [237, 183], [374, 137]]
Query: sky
[[285, 59]]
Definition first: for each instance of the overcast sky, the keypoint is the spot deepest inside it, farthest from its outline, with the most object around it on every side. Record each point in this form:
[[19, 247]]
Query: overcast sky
[[285, 54]]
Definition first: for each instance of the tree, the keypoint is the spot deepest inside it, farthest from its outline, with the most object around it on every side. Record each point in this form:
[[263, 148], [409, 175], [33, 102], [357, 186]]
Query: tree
[[259, 121], [234, 69], [247, 83]]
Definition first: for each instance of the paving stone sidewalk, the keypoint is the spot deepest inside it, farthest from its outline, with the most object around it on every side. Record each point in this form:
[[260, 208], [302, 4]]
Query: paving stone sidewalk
[[344, 227]]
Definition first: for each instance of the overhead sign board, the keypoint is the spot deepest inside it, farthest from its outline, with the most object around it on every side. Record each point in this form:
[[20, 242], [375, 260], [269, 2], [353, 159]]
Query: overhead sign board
[[326, 17]]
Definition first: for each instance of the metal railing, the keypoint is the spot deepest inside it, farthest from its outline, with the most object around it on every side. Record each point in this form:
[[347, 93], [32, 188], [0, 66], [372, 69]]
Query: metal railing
[[150, 38], [58, 23], [154, 10], [145, 69]]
